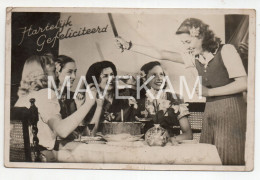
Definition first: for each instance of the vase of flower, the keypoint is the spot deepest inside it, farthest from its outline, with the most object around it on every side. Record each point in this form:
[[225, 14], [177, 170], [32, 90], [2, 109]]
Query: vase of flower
[[156, 136]]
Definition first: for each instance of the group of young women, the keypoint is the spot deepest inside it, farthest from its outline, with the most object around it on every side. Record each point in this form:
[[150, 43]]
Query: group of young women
[[224, 122]]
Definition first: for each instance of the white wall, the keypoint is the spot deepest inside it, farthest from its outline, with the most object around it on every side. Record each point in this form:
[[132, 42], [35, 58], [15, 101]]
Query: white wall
[[145, 29]]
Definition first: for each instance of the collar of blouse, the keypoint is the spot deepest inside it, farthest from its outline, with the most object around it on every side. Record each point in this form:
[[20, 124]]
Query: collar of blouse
[[206, 57]]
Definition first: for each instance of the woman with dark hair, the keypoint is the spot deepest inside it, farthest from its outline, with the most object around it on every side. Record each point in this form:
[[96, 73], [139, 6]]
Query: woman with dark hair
[[224, 123], [167, 110], [101, 72], [66, 67], [102, 75]]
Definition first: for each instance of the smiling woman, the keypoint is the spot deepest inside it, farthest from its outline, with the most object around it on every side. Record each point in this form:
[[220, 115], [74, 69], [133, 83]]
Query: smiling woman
[[102, 75], [222, 85], [66, 67], [167, 110]]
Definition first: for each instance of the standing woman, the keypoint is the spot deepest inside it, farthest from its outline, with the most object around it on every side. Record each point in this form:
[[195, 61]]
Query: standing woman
[[223, 79]]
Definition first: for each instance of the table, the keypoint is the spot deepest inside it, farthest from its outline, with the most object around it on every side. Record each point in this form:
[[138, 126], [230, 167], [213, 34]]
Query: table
[[183, 154]]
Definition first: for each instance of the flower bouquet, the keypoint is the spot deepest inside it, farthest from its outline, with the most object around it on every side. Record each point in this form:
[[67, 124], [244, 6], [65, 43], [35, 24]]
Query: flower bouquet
[[157, 109]]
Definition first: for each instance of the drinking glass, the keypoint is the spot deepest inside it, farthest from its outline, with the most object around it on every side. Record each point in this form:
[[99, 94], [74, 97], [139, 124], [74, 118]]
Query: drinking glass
[[80, 128], [91, 127]]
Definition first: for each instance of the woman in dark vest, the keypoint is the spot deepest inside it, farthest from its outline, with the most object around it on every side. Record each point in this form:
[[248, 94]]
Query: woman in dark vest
[[223, 79], [66, 68]]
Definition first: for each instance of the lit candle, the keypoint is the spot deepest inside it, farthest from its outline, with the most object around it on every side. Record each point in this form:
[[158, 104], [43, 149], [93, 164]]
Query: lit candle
[[122, 115]]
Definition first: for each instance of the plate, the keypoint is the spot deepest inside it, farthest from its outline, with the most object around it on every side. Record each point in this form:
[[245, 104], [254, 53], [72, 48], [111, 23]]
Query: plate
[[127, 144], [89, 138], [144, 120], [94, 142], [122, 137], [188, 142]]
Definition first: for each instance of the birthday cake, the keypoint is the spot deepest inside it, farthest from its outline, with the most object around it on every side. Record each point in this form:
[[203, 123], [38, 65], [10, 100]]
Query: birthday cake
[[133, 128]]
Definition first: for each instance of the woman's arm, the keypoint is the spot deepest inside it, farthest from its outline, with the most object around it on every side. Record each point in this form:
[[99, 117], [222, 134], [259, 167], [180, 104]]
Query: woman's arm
[[96, 118], [186, 130], [239, 85], [63, 127], [156, 53], [236, 71], [149, 51]]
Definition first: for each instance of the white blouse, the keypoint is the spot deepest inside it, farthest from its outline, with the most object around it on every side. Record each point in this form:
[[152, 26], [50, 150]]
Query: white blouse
[[47, 109]]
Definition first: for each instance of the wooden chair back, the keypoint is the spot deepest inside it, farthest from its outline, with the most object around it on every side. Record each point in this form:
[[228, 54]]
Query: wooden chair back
[[21, 149]]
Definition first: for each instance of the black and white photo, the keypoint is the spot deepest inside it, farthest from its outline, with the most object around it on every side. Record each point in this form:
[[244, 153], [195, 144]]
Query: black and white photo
[[153, 89]]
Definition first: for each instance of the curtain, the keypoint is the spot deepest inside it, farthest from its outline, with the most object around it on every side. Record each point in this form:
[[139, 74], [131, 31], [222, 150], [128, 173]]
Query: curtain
[[240, 39]]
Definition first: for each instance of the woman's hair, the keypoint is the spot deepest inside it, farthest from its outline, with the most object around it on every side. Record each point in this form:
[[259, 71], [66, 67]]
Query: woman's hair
[[148, 66], [210, 42], [96, 69], [62, 60], [34, 75], [60, 63]]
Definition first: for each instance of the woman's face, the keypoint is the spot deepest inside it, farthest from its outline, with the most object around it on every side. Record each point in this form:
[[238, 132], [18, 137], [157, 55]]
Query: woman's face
[[70, 70], [192, 45], [104, 77], [157, 81]]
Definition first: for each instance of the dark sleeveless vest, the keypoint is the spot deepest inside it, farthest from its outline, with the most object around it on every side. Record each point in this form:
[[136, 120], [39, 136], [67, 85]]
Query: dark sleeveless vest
[[215, 74]]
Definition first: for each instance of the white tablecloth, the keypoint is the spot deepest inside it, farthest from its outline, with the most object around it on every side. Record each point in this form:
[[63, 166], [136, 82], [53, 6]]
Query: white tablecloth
[[183, 154]]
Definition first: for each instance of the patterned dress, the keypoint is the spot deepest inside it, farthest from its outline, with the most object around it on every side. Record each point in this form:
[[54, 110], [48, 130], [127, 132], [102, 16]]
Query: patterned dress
[[167, 110]]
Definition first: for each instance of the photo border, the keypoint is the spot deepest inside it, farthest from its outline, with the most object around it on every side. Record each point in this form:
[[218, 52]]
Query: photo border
[[249, 150]]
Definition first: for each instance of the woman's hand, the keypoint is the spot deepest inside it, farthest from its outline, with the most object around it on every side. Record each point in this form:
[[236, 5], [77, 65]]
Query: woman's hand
[[80, 99], [80, 96], [122, 44], [174, 141], [90, 97], [204, 91]]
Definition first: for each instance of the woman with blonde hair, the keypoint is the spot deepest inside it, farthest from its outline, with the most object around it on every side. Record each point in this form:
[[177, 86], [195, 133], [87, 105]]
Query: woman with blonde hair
[[34, 84]]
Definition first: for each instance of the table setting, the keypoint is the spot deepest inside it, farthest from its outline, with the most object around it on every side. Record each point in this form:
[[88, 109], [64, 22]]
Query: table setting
[[119, 142]]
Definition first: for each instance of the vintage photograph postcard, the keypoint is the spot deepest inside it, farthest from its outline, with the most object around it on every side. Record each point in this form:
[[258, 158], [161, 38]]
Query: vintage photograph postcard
[[137, 89]]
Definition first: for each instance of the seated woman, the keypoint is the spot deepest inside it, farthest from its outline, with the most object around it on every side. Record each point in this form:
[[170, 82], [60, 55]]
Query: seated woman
[[66, 67], [168, 110], [34, 84], [104, 74]]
